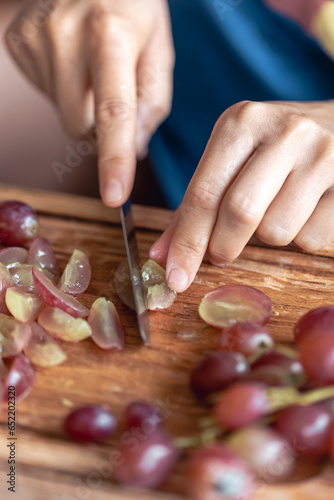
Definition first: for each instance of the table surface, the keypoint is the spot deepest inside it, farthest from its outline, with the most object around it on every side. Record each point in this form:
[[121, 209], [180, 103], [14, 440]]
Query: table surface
[[51, 466]]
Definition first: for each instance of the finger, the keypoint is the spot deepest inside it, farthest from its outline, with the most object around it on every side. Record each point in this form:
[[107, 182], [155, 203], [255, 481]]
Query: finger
[[247, 200], [112, 63], [318, 231], [227, 151], [159, 249]]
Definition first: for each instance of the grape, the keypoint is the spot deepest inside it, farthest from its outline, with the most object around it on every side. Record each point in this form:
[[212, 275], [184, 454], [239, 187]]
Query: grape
[[23, 304], [22, 276], [54, 297], [63, 325], [246, 338], [160, 297], [230, 304], [268, 453], [216, 473], [331, 443], [90, 424], [18, 223], [216, 371], [143, 416], [316, 321], [12, 256], [275, 369], [41, 255], [107, 329], [14, 336], [77, 274], [153, 274], [241, 404], [317, 357], [123, 284], [306, 428], [42, 349], [273, 358], [21, 375], [6, 281], [146, 463]]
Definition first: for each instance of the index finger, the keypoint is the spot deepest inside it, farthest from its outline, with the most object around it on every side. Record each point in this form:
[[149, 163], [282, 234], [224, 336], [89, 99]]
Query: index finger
[[113, 72]]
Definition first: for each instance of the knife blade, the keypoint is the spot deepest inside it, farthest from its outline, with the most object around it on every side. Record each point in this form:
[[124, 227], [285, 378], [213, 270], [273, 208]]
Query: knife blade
[[134, 266]]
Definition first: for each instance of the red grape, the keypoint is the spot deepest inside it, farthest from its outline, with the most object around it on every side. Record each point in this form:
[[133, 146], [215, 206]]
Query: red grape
[[331, 443], [6, 281], [275, 369], [230, 304], [18, 223], [160, 297], [216, 473], [12, 256], [77, 274], [145, 463], [216, 371], [14, 336], [21, 376], [247, 338], [42, 349], [307, 429], [41, 255], [317, 356], [241, 404], [107, 329], [90, 424], [63, 325], [143, 416], [317, 321]]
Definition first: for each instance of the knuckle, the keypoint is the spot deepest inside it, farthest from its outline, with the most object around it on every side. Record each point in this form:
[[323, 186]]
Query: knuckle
[[191, 248], [245, 111], [326, 151], [242, 210], [201, 196], [112, 110], [300, 124], [217, 257], [103, 24]]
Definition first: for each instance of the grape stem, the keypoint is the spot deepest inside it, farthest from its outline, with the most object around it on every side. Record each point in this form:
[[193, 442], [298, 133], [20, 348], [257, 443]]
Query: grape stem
[[286, 350], [207, 436], [281, 397]]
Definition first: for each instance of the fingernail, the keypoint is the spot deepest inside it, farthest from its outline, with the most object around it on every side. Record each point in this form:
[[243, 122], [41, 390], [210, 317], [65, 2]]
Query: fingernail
[[178, 280], [113, 191], [217, 264]]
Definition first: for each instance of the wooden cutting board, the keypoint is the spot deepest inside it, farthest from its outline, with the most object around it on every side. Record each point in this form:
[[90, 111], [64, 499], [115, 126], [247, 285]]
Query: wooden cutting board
[[52, 467]]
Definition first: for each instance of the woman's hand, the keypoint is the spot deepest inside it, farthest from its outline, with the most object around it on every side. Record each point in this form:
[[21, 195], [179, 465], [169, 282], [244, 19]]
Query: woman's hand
[[107, 63], [268, 169]]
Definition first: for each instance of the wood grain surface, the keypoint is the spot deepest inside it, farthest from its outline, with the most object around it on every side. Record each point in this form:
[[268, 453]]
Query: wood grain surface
[[52, 467]]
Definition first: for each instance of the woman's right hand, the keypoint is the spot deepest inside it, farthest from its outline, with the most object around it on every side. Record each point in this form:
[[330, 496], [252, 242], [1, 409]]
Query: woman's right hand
[[106, 64]]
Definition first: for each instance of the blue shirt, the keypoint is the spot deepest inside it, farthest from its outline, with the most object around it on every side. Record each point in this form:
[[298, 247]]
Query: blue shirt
[[228, 51]]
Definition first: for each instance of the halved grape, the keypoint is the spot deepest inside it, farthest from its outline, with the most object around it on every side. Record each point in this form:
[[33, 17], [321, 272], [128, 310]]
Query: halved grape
[[241, 404], [42, 256], [216, 371], [316, 321], [22, 275], [153, 274], [55, 297], [22, 376], [267, 452], [13, 256], [147, 464], [63, 325], [215, 472], [142, 416], [226, 305], [247, 338], [317, 357], [123, 284], [77, 274], [307, 429], [160, 297], [90, 424], [107, 329], [23, 303], [6, 281], [14, 336], [42, 349], [18, 223]]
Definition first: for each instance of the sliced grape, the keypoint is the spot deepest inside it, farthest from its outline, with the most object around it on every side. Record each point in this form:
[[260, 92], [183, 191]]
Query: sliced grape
[[21, 376], [152, 274], [160, 297], [316, 321], [42, 349], [215, 472], [76, 276], [107, 329], [6, 281], [147, 464], [267, 452], [90, 424], [13, 256], [23, 303], [55, 297], [14, 336], [317, 357], [18, 223], [216, 371], [123, 284], [42, 256], [241, 404], [230, 304], [307, 429], [142, 416], [246, 338], [63, 325]]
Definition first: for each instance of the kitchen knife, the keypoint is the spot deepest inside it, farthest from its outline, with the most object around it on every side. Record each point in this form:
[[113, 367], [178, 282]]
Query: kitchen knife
[[139, 292]]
